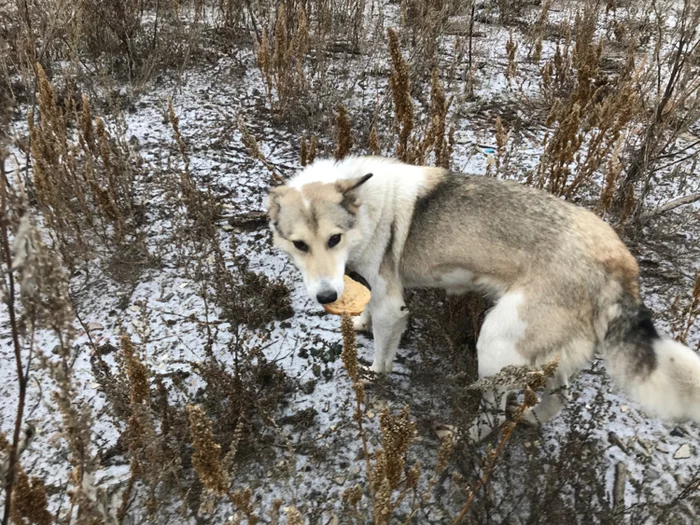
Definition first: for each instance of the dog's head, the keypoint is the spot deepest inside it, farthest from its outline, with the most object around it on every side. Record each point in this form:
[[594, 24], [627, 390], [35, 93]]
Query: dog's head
[[316, 224]]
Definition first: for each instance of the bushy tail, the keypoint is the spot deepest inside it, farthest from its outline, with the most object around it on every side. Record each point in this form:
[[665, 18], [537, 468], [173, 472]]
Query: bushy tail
[[661, 374]]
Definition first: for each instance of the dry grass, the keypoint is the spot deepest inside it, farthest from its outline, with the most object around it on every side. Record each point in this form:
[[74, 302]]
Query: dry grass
[[281, 57], [400, 83], [83, 181], [589, 119], [345, 140]]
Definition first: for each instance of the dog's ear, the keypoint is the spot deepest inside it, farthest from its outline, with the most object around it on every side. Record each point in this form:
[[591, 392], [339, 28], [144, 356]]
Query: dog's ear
[[273, 197], [345, 186]]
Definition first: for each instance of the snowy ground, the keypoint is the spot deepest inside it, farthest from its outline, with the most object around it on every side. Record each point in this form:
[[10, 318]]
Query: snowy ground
[[162, 311]]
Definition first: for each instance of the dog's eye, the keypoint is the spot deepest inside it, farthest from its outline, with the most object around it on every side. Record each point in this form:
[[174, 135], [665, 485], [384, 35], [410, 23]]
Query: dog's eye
[[301, 246], [334, 240]]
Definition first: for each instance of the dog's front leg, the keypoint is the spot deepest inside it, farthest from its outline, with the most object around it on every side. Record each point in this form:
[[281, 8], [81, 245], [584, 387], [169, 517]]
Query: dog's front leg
[[389, 318]]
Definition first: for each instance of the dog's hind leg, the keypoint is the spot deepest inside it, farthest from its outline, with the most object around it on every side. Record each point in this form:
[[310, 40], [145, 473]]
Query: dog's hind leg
[[492, 414], [363, 322], [503, 328], [553, 400], [389, 318]]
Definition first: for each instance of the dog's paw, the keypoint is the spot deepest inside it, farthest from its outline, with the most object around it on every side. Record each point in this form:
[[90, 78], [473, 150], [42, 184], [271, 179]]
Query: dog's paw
[[378, 367], [478, 432], [529, 418], [367, 374], [362, 323]]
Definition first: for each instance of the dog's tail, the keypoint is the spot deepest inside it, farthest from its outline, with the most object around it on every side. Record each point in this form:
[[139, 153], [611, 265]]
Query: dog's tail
[[661, 374]]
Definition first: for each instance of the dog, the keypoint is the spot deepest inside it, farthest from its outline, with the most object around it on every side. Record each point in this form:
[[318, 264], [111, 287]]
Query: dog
[[562, 281]]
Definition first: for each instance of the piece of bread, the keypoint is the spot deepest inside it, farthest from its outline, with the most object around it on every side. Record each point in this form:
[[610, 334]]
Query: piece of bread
[[354, 299]]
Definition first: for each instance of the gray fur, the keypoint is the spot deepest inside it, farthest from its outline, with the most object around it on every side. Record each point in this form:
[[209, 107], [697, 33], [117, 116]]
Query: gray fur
[[564, 283]]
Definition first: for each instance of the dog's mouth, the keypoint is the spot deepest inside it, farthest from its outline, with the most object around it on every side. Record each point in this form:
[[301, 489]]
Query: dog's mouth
[[358, 278]]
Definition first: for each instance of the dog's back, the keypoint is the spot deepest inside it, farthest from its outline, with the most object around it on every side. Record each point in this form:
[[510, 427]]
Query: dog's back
[[573, 282]]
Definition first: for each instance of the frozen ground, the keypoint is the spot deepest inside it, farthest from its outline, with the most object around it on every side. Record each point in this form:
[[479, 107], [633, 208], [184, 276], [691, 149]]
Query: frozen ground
[[164, 311]]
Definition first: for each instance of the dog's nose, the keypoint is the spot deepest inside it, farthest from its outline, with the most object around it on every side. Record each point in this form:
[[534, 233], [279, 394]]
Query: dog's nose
[[327, 297]]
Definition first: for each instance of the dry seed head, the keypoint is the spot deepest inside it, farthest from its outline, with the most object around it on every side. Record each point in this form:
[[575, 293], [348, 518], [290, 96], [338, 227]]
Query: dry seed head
[[444, 454], [243, 500], [511, 49], [360, 396], [349, 354], [208, 502], [294, 517], [501, 140], [345, 141], [507, 428], [206, 458], [374, 147], [397, 434], [382, 503], [530, 397], [137, 373], [252, 146], [501, 135], [264, 60], [413, 476], [351, 497], [613, 169], [86, 127], [300, 44], [446, 153], [280, 50], [401, 93], [550, 368], [313, 148], [303, 151], [435, 136], [29, 501], [42, 280], [248, 140], [233, 448]]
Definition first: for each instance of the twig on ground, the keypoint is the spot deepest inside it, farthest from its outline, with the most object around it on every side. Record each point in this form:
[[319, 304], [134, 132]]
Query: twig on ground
[[670, 205]]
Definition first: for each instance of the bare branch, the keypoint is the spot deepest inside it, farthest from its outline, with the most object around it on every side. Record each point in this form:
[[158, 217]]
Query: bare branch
[[670, 205]]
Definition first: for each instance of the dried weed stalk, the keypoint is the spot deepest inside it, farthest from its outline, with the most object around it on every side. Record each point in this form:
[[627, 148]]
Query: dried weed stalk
[[672, 102], [352, 366], [281, 61], [591, 120], [308, 150], [436, 139], [34, 290], [689, 314], [29, 503], [537, 33], [345, 141], [511, 50], [206, 459], [254, 150], [83, 180], [400, 83], [374, 145], [525, 377]]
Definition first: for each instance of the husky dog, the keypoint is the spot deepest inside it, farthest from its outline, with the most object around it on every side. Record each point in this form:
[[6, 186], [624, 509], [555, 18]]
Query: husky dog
[[562, 281]]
